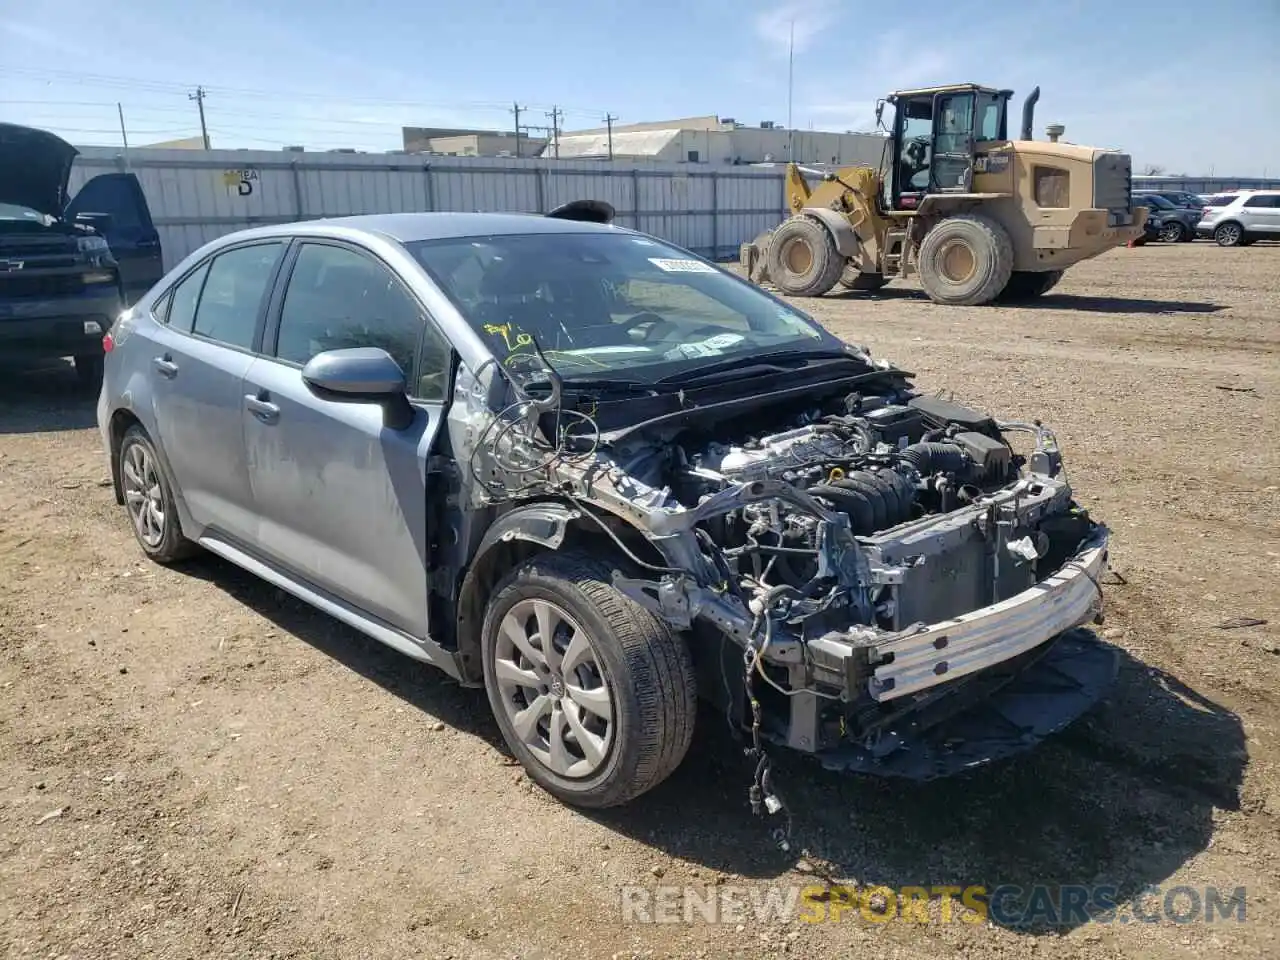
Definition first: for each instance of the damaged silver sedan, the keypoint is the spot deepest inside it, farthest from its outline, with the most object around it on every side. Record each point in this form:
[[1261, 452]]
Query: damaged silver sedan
[[603, 478]]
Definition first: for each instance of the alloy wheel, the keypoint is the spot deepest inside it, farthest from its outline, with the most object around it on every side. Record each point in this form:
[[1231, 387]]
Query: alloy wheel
[[140, 481], [553, 688]]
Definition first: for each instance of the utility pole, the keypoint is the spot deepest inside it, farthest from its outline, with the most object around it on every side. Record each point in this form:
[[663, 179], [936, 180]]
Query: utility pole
[[124, 137], [198, 97], [556, 116], [517, 109], [791, 72], [608, 119]]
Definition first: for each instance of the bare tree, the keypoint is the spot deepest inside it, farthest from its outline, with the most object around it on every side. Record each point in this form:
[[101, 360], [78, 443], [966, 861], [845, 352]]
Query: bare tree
[[1152, 170]]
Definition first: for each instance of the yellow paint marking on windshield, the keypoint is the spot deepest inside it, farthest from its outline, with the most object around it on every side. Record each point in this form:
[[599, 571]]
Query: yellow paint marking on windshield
[[504, 329]]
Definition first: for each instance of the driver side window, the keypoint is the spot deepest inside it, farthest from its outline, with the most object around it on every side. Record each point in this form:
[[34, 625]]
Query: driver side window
[[340, 298]]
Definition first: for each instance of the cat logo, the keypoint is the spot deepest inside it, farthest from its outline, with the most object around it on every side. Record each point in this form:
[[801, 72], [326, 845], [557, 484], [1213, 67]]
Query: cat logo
[[10, 266]]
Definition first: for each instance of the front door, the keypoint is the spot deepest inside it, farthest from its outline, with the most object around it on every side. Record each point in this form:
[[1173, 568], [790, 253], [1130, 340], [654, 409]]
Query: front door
[[131, 233], [210, 327], [341, 498], [952, 170]]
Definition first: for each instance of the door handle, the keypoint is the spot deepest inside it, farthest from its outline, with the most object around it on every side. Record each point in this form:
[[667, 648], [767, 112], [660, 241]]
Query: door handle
[[261, 407], [165, 366]]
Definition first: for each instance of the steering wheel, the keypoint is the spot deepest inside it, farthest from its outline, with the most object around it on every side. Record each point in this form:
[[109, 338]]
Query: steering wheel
[[652, 321]]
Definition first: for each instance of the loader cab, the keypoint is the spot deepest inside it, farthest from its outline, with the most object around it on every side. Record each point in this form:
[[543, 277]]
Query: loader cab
[[935, 133]]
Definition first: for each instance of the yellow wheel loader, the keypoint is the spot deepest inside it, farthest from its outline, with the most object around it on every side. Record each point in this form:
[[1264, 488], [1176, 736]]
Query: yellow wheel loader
[[977, 216]]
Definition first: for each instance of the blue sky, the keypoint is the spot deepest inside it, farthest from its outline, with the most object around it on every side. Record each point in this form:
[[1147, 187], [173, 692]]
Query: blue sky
[[1191, 87]]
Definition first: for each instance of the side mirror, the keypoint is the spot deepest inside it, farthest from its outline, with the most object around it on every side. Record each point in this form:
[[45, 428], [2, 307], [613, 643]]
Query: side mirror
[[361, 375], [101, 222], [880, 114]]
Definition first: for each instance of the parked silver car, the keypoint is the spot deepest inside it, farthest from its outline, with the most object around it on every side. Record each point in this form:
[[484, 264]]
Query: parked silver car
[[600, 476], [1237, 219]]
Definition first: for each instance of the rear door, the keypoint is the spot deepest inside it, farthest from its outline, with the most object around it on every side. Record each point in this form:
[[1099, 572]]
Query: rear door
[[341, 499], [1261, 213], [132, 235], [210, 326]]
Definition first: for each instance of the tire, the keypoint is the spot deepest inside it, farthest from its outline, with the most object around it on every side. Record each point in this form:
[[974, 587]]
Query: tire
[[965, 260], [643, 668], [1173, 231], [851, 278], [1229, 234], [802, 258], [137, 458], [1024, 285], [89, 371]]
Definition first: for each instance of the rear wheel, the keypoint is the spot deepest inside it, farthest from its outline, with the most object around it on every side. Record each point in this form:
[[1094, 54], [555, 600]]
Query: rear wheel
[[1173, 231], [149, 499], [802, 259], [854, 279], [1024, 285], [1229, 235], [965, 260], [594, 695]]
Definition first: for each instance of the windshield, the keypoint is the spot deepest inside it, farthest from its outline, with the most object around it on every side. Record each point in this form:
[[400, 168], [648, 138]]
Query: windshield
[[13, 211], [1158, 202], [598, 304]]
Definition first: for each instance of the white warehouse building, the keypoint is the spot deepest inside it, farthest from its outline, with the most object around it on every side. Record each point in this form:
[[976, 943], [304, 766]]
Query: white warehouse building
[[718, 141]]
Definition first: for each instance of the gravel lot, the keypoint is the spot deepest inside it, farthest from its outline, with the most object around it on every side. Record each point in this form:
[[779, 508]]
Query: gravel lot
[[192, 764]]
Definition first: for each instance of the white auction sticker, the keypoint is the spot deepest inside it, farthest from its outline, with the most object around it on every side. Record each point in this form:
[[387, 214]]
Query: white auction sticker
[[682, 266]]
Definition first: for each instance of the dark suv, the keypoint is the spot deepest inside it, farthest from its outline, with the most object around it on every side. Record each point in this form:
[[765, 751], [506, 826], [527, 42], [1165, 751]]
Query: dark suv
[[1177, 224], [67, 268]]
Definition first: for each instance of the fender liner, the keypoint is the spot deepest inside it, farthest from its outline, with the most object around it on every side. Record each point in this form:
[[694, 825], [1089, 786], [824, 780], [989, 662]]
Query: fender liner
[[544, 524], [541, 523]]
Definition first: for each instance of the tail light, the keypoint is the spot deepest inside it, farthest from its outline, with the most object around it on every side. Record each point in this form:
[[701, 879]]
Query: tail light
[[107, 343]]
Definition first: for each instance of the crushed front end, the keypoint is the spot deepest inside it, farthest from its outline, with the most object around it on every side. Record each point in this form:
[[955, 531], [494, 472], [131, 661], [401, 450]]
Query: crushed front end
[[877, 577]]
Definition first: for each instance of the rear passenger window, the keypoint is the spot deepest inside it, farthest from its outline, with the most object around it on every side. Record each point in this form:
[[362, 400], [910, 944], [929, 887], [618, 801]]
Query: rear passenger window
[[182, 304], [1262, 200], [339, 298], [233, 294]]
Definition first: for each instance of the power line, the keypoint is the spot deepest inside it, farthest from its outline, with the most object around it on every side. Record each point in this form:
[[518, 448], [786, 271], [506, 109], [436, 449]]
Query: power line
[[176, 87]]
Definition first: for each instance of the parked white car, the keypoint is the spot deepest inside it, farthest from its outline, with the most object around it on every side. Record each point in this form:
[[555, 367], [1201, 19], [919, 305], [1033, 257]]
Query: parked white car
[[1237, 219]]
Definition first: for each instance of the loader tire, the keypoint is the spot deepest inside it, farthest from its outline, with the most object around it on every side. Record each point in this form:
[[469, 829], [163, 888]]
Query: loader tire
[[1024, 285], [802, 259], [854, 279], [965, 260]]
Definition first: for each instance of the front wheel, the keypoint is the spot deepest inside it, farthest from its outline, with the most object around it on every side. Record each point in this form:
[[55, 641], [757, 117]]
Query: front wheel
[[1173, 232], [594, 695], [854, 279], [802, 258]]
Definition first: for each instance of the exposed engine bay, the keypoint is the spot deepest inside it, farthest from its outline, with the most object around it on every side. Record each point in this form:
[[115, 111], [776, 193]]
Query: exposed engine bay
[[862, 564]]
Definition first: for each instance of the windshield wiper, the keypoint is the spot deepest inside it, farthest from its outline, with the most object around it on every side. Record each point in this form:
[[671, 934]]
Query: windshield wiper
[[774, 360], [612, 384]]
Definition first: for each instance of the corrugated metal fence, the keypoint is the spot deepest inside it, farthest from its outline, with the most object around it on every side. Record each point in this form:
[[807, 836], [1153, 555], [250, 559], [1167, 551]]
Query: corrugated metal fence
[[196, 196]]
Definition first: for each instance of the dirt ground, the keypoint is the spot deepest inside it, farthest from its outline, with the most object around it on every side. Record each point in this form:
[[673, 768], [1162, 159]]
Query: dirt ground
[[193, 764]]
